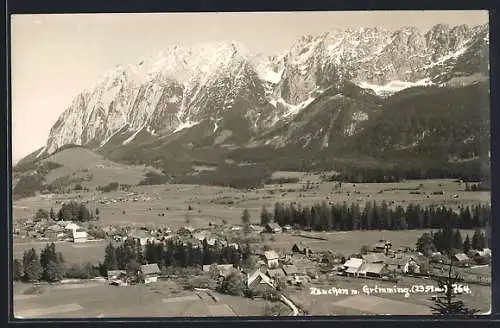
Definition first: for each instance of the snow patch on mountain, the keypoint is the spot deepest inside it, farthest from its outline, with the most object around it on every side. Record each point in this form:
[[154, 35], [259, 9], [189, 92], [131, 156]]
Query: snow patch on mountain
[[393, 86], [132, 137], [185, 125], [41, 152], [106, 140]]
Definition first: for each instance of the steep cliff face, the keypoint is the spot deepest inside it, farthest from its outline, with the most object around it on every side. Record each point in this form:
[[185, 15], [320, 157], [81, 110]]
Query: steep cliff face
[[232, 97]]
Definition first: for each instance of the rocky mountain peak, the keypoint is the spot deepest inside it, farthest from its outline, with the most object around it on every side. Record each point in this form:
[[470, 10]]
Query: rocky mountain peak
[[222, 82]]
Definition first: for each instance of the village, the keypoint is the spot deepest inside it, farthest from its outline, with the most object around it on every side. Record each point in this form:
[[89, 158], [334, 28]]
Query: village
[[283, 262], [273, 269]]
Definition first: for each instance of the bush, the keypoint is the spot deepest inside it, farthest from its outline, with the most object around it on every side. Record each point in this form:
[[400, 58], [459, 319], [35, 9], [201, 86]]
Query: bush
[[48, 166], [77, 271], [232, 285], [112, 186], [282, 180], [42, 214], [153, 178], [74, 211]]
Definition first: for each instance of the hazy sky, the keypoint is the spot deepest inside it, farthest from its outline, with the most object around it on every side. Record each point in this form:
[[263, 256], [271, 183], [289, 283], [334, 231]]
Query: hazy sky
[[54, 57]]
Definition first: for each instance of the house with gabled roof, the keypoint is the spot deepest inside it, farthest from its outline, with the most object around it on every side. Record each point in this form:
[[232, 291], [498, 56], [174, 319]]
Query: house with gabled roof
[[301, 248], [259, 282], [376, 270], [352, 266], [149, 273], [271, 258], [460, 259]]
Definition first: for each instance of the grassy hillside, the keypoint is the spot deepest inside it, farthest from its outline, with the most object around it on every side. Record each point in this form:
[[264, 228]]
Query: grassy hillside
[[73, 166]]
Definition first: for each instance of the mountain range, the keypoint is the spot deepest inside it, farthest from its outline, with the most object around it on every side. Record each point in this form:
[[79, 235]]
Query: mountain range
[[368, 94]]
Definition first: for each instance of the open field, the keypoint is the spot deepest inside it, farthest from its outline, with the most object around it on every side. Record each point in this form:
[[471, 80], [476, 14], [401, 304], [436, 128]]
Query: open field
[[80, 160], [213, 204], [164, 298], [217, 203], [349, 242]]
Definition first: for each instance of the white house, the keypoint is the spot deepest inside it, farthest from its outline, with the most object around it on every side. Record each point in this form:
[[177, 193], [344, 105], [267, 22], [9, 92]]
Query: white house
[[71, 226], [79, 236], [353, 266], [272, 259]]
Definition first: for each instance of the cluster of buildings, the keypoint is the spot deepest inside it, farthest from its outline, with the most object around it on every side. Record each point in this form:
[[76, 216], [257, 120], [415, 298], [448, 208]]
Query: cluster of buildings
[[129, 197], [46, 229], [147, 273]]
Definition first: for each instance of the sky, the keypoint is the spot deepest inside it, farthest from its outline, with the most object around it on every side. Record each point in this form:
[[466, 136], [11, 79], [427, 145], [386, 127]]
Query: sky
[[55, 57]]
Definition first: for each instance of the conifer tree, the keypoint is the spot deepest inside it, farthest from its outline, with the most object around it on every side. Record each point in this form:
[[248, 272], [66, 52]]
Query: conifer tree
[[265, 216], [466, 247], [450, 305]]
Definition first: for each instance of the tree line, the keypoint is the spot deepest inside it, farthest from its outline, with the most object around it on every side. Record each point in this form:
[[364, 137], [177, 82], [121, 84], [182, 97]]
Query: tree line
[[468, 173], [130, 255], [72, 211], [48, 266], [375, 216], [448, 240]]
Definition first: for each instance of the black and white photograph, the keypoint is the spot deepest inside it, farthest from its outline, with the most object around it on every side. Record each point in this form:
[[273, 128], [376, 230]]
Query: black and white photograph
[[250, 164]]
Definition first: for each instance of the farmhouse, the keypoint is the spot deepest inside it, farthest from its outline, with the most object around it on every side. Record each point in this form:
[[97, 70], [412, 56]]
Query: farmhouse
[[141, 237], [63, 223], [79, 236], [271, 258], [460, 259], [301, 248], [481, 257], [71, 226], [352, 266], [259, 282], [484, 252], [404, 264], [149, 273], [375, 270], [273, 227]]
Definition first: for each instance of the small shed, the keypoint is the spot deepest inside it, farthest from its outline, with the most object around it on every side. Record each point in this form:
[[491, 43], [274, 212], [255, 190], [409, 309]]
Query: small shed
[[460, 259], [273, 227], [116, 274], [301, 248]]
